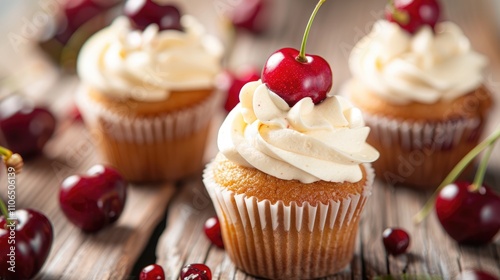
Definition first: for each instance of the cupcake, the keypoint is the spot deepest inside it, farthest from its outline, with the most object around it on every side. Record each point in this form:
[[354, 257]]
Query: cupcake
[[421, 89], [293, 171], [148, 92], [289, 183]]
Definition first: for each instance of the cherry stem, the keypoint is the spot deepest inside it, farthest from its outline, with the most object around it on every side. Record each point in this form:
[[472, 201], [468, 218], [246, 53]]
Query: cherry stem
[[455, 172], [483, 165], [302, 54], [400, 16], [4, 211], [5, 153]]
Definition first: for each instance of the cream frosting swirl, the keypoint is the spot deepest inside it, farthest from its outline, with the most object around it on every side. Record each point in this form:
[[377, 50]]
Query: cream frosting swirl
[[305, 142], [425, 67], [147, 65]]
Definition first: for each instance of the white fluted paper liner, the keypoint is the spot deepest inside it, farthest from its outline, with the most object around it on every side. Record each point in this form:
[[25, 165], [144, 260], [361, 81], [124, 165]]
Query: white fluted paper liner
[[417, 135], [420, 154], [148, 130], [293, 241]]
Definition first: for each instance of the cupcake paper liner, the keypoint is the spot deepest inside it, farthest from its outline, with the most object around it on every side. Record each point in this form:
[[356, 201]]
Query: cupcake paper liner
[[165, 147], [420, 154], [279, 241]]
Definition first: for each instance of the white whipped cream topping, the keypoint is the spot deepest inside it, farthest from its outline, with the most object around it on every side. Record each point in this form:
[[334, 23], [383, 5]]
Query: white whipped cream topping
[[147, 65], [425, 67], [306, 142]]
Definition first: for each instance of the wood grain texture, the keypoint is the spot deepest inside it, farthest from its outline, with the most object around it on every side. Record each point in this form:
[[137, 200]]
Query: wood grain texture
[[108, 254]]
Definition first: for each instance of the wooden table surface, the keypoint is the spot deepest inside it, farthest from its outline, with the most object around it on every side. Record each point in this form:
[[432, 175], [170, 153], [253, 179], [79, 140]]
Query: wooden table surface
[[111, 253]]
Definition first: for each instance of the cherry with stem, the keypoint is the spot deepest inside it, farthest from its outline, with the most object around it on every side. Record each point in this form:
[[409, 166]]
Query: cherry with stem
[[294, 75], [32, 230], [468, 212], [457, 170]]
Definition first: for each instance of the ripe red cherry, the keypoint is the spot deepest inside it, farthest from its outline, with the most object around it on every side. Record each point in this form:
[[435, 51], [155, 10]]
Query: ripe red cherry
[[294, 80], [396, 241], [248, 15], [233, 82], [145, 12], [413, 14], [294, 75], [95, 200], [152, 272], [212, 231], [476, 275], [26, 128], [78, 12], [33, 235], [469, 217], [196, 271]]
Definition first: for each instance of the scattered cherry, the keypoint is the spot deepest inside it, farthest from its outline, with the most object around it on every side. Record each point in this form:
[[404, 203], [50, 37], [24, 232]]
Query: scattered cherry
[[476, 275], [196, 271], [248, 15], [145, 12], [212, 231], [233, 82], [294, 75], [396, 241], [25, 127], [78, 12], [152, 272], [469, 217], [33, 239], [413, 14], [93, 201]]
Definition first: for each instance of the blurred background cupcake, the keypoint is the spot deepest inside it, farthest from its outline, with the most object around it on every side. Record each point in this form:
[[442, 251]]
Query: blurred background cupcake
[[421, 88], [148, 91]]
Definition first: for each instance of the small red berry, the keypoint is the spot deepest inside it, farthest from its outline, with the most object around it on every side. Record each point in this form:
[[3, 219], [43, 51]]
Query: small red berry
[[396, 241], [152, 272], [212, 231], [196, 271]]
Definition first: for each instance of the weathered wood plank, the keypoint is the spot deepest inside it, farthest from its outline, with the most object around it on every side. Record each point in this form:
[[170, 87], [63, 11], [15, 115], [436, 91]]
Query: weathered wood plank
[[109, 254]]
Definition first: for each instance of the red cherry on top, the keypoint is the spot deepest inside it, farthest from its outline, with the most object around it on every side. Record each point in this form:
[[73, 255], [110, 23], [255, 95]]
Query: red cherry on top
[[293, 79], [413, 14], [469, 217], [396, 241], [152, 272], [145, 12], [294, 75]]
